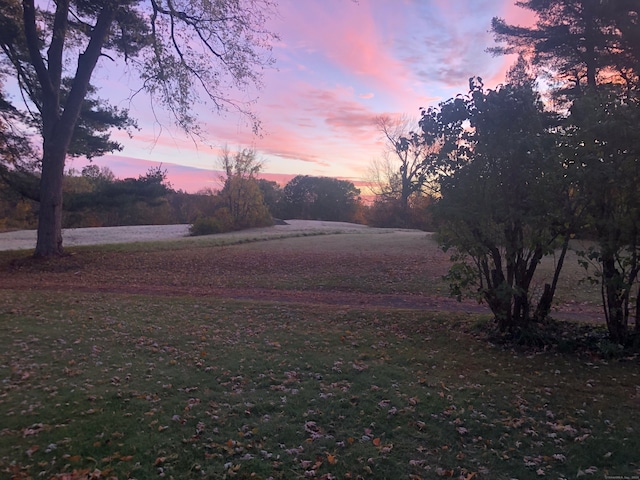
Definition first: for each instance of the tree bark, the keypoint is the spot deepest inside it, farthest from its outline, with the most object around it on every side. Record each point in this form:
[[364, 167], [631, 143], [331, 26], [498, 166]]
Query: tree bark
[[58, 126], [49, 241], [544, 304], [616, 309]]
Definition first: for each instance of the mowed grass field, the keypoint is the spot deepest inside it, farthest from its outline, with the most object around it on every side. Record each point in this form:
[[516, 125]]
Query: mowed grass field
[[290, 358]]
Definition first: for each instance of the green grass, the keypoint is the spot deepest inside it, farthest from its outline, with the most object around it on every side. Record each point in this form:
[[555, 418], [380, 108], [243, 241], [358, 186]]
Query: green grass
[[120, 386]]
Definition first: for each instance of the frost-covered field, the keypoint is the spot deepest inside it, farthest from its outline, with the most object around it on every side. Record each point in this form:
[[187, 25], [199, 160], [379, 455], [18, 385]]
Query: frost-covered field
[[26, 239]]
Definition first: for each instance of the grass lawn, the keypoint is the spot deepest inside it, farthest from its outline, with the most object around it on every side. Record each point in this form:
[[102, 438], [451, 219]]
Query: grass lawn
[[173, 383]]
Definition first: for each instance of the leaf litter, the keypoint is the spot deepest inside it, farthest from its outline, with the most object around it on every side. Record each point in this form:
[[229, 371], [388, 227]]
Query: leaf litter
[[103, 386], [176, 383]]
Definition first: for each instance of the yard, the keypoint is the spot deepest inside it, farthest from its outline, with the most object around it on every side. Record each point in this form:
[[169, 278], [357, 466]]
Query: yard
[[332, 354]]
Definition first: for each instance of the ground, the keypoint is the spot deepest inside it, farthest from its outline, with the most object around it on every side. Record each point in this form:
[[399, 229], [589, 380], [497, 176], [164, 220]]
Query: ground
[[234, 273]]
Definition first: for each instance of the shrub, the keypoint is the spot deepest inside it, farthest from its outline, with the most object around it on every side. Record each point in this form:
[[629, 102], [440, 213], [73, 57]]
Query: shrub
[[207, 226]]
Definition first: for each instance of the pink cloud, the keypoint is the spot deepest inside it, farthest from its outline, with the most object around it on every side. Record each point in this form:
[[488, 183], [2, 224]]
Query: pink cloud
[[348, 35], [340, 64]]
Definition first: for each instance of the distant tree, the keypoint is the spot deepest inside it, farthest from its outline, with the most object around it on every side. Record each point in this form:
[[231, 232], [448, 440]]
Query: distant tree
[[188, 207], [131, 201], [320, 198], [272, 194], [98, 176], [501, 197], [241, 194], [400, 174], [244, 202], [181, 49]]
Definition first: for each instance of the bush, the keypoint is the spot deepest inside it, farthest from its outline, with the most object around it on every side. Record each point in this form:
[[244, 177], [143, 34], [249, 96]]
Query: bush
[[207, 226]]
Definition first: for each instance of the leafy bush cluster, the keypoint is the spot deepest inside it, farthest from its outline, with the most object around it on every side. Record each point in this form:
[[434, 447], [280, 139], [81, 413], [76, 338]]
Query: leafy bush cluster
[[208, 226]]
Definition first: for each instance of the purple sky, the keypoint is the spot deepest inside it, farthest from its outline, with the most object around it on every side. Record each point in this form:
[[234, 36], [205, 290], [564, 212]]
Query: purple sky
[[339, 65]]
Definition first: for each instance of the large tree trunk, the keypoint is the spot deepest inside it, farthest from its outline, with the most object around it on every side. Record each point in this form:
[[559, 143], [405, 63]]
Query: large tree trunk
[[49, 241]]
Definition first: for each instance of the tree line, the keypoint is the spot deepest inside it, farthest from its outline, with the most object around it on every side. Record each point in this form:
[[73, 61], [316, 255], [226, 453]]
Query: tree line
[[94, 197]]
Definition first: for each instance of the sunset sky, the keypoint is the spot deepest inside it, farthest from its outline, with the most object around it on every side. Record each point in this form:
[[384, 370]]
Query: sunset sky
[[339, 65]]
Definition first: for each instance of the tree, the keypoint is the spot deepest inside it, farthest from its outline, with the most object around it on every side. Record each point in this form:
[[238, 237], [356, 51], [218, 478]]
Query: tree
[[320, 198], [402, 171], [182, 49], [241, 194], [591, 49], [578, 43], [501, 189], [98, 175], [602, 149], [272, 194], [244, 202], [96, 194], [17, 168]]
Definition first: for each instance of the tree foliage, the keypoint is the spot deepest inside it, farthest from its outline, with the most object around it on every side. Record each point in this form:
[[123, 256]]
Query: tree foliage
[[499, 202], [96, 198], [577, 43], [241, 200], [591, 51], [603, 152], [320, 198]]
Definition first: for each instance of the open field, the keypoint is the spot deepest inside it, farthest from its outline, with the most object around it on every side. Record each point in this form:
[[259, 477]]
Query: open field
[[317, 355], [73, 237]]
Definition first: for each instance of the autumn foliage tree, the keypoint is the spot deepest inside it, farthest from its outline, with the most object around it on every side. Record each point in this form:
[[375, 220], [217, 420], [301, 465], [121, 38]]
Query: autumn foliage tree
[[241, 194], [184, 51]]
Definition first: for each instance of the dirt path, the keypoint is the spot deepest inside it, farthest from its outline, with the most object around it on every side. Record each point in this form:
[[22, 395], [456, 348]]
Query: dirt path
[[429, 303]]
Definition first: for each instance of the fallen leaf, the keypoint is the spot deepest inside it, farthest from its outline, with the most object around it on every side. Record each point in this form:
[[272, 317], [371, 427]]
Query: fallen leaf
[[32, 449]]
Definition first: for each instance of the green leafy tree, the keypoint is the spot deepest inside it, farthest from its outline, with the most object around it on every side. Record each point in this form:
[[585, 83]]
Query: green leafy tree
[[591, 52], [320, 198], [500, 197], [603, 151], [183, 50]]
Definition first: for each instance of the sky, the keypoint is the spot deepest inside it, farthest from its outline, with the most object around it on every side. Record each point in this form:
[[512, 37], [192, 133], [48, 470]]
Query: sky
[[339, 65]]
